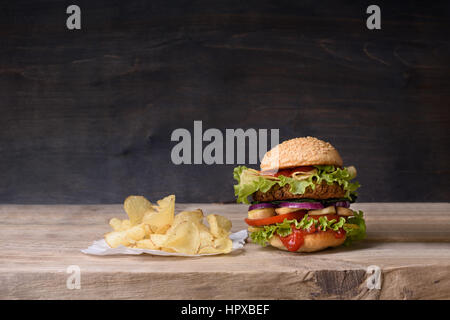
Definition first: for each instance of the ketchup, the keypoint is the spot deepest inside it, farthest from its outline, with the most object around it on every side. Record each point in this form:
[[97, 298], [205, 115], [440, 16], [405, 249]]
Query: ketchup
[[339, 234], [295, 240]]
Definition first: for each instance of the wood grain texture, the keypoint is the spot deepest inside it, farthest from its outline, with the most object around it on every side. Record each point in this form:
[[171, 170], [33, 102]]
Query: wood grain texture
[[87, 115], [38, 243]]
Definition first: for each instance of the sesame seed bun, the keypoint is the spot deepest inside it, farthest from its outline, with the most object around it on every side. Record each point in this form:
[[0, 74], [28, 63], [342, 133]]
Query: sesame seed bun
[[298, 152], [312, 242]]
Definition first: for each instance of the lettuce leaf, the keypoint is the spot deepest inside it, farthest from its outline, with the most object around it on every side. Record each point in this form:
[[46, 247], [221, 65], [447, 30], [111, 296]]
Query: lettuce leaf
[[355, 228], [249, 181]]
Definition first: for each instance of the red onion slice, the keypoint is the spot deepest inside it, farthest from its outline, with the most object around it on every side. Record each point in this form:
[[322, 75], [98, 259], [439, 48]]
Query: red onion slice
[[345, 204], [261, 206], [301, 205]]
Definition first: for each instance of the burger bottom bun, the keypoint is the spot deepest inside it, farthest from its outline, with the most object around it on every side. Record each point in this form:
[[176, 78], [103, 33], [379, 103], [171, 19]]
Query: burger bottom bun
[[312, 242]]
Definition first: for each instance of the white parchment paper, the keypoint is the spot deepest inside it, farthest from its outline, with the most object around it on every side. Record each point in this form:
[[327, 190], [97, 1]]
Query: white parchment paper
[[101, 248]]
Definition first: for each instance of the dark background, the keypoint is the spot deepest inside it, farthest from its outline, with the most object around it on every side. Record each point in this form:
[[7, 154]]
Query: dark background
[[86, 116]]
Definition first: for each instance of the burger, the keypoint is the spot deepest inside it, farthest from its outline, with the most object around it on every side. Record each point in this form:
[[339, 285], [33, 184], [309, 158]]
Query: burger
[[300, 199]]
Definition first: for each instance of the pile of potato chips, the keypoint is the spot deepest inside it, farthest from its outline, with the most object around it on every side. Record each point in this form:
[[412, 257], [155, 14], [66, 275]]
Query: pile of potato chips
[[156, 227]]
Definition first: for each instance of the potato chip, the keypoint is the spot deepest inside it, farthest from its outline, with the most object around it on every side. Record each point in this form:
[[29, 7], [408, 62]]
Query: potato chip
[[183, 238], [202, 227], [163, 229], [126, 224], [223, 245], [148, 231], [156, 227], [146, 244], [120, 225], [195, 216], [136, 207], [158, 239], [116, 224], [219, 226], [220, 245], [116, 238], [135, 233], [125, 237], [162, 217], [223, 222], [208, 250], [206, 238], [168, 201]]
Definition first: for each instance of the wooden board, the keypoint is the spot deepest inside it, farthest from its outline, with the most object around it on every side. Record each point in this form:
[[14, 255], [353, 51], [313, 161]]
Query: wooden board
[[409, 242]]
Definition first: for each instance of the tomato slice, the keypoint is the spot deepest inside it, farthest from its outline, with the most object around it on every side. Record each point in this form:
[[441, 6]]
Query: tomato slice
[[276, 219], [287, 172]]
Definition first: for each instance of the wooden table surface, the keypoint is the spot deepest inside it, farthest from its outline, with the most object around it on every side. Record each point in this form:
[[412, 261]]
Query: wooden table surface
[[409, 242]]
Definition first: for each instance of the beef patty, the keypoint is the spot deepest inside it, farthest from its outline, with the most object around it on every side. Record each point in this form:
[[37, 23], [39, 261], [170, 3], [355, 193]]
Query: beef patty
[[321, 191]]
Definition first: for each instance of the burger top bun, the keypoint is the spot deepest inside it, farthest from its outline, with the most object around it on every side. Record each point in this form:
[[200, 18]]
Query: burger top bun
[[298, 152], [312, 242]]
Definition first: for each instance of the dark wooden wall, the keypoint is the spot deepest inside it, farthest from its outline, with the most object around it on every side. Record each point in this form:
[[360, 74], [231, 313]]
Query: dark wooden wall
[[86, 116]]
